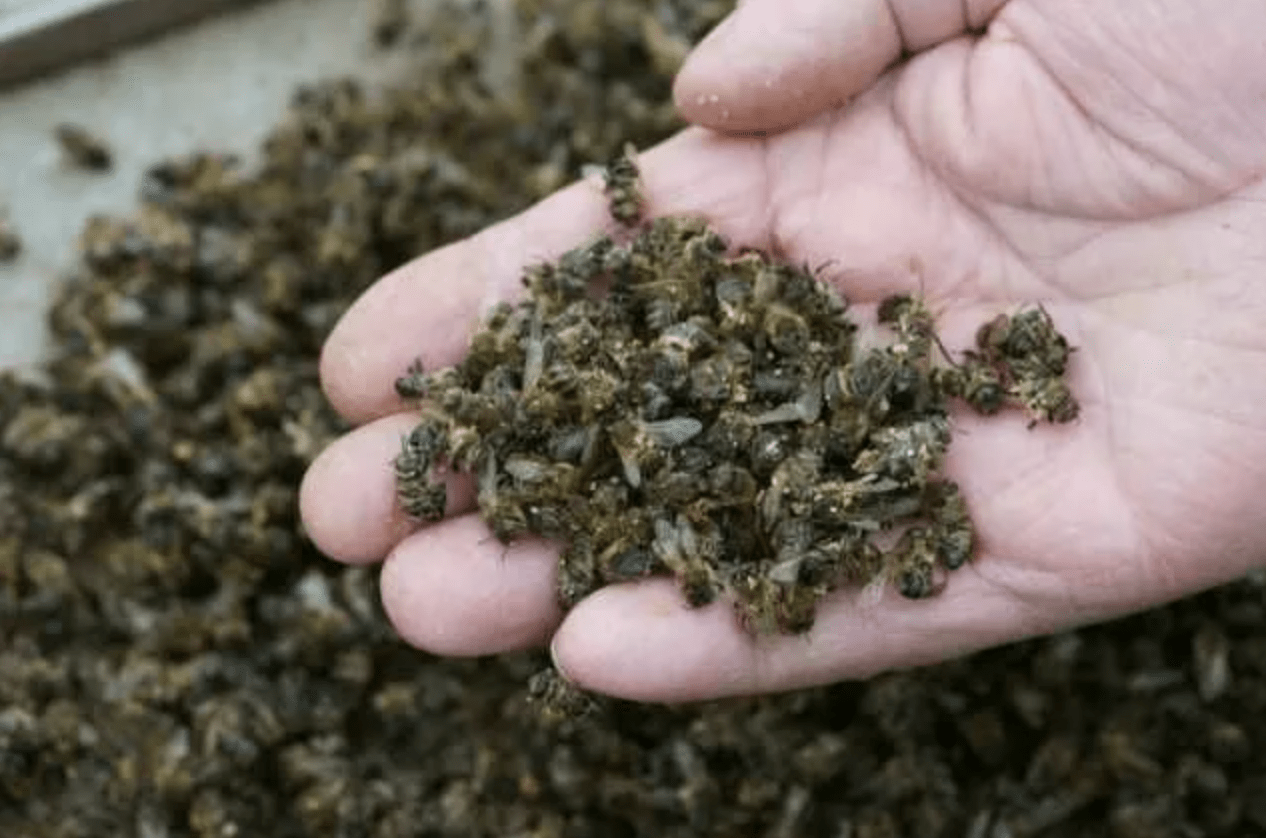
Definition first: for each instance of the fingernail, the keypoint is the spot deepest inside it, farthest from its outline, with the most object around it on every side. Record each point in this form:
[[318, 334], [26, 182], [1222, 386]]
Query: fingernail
[[553, 654]]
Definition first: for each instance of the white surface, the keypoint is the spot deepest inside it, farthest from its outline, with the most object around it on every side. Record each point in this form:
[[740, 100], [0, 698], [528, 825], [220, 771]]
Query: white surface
[[11, 7], [14, 9], [218, 85]]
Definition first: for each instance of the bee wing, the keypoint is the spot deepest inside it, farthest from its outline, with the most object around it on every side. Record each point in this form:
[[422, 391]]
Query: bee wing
[[526, 469], [873, 593], [669, 433], [789, 412], [666, 546], [809, 404], [534, 355], [787, 571]]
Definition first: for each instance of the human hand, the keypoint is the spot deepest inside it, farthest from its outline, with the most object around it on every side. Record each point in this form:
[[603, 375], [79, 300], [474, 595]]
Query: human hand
[[1106, 160]]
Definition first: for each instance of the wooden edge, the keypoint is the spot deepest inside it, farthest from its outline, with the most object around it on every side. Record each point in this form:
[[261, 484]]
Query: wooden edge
[[38, 40]]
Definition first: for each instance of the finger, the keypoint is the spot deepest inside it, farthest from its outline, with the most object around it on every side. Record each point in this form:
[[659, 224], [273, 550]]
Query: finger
[[348, 495], [427, 309], [773, 64], [452, 589], [641, 642]]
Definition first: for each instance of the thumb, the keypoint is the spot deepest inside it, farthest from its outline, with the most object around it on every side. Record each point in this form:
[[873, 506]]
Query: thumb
[[774, 63]]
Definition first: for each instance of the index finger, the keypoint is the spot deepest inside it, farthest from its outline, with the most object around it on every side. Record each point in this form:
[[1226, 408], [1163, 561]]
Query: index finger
[[427, 309]]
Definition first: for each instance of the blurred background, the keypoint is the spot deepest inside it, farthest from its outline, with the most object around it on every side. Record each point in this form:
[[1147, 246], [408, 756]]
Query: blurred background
[[177, 660], [153, 79]]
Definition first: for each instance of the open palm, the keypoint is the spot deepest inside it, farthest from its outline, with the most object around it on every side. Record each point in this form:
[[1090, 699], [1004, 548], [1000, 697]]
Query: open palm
[[1107, 161]]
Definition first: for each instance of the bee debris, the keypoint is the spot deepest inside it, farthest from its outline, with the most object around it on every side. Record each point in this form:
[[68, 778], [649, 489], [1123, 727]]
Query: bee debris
[[10, 243], [390, 18], [714, 418], [82, 149]]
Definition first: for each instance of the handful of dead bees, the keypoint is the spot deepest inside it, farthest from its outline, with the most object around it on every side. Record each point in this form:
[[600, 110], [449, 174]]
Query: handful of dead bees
[[715, 418]]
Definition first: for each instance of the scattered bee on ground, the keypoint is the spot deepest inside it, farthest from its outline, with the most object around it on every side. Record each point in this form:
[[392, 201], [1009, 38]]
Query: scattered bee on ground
[[82, 149], [390, 19], [10, 243]]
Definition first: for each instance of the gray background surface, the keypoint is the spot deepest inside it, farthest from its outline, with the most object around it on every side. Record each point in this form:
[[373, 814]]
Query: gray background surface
[[216, 85]]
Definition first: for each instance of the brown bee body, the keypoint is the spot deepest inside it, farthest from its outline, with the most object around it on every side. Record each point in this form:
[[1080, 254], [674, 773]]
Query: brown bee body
[[951, 526], [678, 547], [10, 244], [577, 572], [412, 385], [558, 699], [419, 496], [1047, 400], [975, 381], [1029, 335], [390, 19], [910, 318], [82, 149], [623, 191], [906, 453], [913, 563]]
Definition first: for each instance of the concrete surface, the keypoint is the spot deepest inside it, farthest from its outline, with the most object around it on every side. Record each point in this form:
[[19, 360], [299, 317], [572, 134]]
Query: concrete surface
[[218, 85], [41, 35]]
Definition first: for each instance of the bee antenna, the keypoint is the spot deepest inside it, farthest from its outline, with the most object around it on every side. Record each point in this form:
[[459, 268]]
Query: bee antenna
[[940, 345]]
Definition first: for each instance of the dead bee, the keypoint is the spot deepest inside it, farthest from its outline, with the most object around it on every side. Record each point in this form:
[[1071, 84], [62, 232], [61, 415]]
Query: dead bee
[[787, 331], [856, 560], [10, 244], [766, 605], [413, 384], [568, 279], [703, 252], [419, 496], [790, 487], [912, 563], [622, 187], [559, 700], [951, 526], [906, 453], [732, 485], [82, 149], [1047, 400], [547, 488], [642, 445], [880, 382], [975, 381], [1028, 337], [466, 446], [499, 506], [678, 547], [628, 564], [577, 572], [422, 499], [390, 19], [910, 318]]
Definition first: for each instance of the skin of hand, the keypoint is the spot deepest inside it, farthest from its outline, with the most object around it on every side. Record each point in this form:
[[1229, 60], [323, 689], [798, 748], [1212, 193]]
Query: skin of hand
[[1104, 159]]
